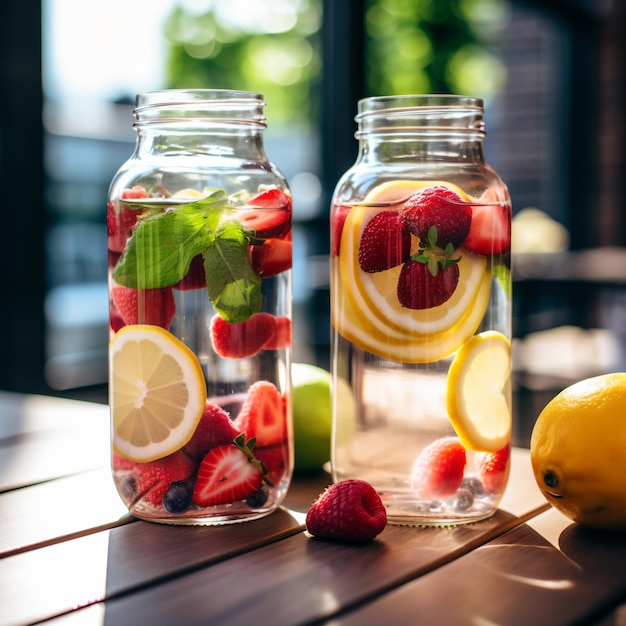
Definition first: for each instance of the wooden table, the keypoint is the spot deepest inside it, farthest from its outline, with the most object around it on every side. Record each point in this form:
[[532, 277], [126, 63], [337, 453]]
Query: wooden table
[[69, 553]]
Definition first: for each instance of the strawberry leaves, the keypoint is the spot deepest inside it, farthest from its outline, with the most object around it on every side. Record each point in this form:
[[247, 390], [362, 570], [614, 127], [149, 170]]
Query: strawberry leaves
[[431, 255], [160, 251]]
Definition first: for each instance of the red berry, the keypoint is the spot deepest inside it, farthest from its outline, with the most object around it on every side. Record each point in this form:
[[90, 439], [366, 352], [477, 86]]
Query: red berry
[[215, 428], [137, 192], [419, 289], [262, 415], [282, 335], [144, 306], [337, 220], [490, 232], [385, 242], [493, 469], [440, 207], [275, 459], [273, 219], [349, 511], [194, 278], [438, 470], [225, 475], [271, 258], [150, 481], [244, 339]]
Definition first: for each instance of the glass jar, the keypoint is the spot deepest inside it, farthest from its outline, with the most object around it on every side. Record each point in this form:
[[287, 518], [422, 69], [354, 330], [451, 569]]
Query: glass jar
[[199, 248], [421, 312]]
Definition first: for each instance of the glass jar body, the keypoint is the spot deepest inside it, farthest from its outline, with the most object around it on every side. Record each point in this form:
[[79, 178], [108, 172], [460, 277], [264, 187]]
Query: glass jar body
[[421, 313], [199, 246]]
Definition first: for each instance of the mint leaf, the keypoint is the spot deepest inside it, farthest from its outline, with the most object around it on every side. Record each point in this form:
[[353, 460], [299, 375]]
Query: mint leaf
[[233, 286], [161, 249]]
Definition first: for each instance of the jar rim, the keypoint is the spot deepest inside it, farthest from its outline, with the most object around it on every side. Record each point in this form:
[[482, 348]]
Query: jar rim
[[374, 105]]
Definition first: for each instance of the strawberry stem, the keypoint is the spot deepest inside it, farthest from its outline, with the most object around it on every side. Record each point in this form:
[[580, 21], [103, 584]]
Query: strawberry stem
[[247, 447], [432, 255]]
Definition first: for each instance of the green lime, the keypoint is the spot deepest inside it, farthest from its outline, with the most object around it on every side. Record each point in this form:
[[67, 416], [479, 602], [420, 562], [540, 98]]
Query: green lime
[[312, 416]]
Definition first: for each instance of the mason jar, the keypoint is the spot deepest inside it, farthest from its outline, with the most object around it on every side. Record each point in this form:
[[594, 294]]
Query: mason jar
[[199, 249], [421, 312]]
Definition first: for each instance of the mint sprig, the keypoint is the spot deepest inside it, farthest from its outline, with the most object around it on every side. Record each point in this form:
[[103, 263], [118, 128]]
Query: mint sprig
[[162, 246]]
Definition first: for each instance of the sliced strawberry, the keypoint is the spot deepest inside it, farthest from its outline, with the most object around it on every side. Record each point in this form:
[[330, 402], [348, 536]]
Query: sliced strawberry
[[276, 461], [419, 289], [263, 415], [150, 481], [438, 470], [194, 278], [493, 469], [490, 231], [337, 220], [226, 474], [244, 339], [144, 306], [271, 258], [137, 192], [385, 242], [282, 335], [120, 227], [441, 207], [214, 429], [273, 217]]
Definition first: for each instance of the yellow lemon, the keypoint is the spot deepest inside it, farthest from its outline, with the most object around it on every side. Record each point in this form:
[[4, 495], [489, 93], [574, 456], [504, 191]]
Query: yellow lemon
[[365, 307], [157, 392], [478, 392], [578, 451]]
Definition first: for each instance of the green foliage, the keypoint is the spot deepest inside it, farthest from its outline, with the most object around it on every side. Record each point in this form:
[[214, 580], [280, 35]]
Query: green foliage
[[270, 48], [433, 46]]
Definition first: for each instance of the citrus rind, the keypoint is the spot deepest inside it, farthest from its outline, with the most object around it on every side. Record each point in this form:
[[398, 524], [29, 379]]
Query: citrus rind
[[157, 392], [478, 390]]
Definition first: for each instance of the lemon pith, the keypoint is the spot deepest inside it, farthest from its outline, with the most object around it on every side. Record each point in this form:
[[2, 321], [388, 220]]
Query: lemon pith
[[365, 308], [477, 396], [157, 392]]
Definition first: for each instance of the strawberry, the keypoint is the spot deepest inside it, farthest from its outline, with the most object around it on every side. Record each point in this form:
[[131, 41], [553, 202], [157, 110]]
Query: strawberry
[[490, 232], [275, 460], [119, 227], [262, 415], [244, 339], [438, 470], [419, 289], [215, 428], [271, 258], [273, 219], [151, 481], [349, 511], [338, 219], [227, 474], [493, 469], [282, 335], [194, 278], [440, 207], [385, 242], [144, 306]]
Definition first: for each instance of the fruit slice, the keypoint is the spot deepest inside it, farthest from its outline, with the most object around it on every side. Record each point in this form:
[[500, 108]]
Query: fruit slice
[[477, 390], [263, 415], [365, 307], [157, 392], [243, 339]]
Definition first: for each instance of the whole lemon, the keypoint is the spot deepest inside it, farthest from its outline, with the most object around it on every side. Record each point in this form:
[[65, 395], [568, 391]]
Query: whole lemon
[[578, 451], [312, 416]]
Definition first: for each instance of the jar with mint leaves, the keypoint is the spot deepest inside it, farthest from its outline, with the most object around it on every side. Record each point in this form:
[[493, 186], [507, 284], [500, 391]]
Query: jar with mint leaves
[[199, 266]]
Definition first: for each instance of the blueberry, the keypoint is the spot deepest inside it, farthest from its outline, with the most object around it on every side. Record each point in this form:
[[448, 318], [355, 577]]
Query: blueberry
[[128, 487], [258, 498], [178, 497], [463, 500], [473, 485]]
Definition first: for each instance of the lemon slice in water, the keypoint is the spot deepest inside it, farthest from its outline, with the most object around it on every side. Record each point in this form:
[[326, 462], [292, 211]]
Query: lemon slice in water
[[477, 396], [157, 392]]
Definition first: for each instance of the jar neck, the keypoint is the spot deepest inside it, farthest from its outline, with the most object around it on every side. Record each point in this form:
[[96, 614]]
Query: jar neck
[[200, 122], [433, 127]]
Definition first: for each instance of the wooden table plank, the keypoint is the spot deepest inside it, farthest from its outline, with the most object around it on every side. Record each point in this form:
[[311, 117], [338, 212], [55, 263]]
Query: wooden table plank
[[546, 572], [58, 578]]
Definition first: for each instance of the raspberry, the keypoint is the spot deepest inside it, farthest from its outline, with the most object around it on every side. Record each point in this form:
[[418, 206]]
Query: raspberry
[[349, 511], [493, 468]]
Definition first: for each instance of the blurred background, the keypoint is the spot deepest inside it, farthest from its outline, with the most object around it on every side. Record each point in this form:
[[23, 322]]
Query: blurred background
[[551, 73]]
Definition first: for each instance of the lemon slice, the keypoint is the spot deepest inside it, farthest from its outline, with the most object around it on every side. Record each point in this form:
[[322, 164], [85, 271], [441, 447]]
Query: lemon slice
[[157, 392], [478, 390], [365, 307]]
